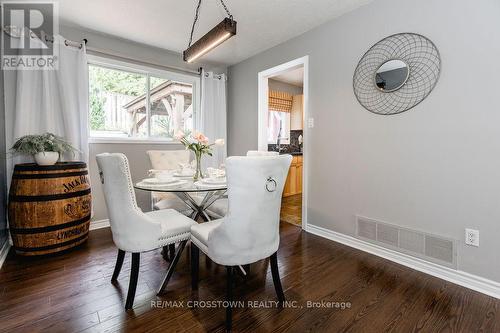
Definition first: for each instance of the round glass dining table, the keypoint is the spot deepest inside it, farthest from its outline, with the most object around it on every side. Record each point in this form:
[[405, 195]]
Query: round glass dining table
[[187, 191], [197, 196]]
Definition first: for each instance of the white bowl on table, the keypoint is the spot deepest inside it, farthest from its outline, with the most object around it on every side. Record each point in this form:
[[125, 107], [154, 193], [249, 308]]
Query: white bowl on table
[[214, 180], [159, 181]]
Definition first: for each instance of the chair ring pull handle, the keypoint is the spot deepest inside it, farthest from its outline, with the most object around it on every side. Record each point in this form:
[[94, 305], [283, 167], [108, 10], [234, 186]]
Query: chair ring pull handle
[[270, 180]]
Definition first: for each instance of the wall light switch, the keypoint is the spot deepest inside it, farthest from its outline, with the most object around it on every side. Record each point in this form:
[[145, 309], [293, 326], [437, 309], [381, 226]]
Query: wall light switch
[[310, 122], [472, 237]]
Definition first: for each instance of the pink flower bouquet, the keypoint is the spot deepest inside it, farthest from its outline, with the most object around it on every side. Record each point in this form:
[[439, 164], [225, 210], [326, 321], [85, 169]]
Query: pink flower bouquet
[[199, 144]]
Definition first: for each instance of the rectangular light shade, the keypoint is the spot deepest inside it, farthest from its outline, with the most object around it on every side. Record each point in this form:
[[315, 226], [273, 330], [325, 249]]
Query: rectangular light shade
[[221, 32]]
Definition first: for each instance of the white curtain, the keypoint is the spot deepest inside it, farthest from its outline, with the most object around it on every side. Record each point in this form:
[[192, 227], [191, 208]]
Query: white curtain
[[213, 115], [56, 101]]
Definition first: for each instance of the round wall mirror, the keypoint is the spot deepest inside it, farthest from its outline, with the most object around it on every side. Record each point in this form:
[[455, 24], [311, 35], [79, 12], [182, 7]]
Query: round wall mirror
[[392, 75], [406, 64]]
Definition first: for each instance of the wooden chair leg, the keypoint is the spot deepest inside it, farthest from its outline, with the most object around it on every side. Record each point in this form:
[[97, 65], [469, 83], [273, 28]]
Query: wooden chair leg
[[276, 278], [118, 265], [229, 298], [171, 251], [171, 267], [164, 253], [195, 266], [134, 275]]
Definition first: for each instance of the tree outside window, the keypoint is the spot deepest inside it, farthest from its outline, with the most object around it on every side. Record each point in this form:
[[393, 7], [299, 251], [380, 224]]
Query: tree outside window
[[122, 106]]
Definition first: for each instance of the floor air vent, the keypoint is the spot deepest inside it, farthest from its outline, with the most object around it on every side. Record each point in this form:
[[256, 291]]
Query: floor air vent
[[422, 245]]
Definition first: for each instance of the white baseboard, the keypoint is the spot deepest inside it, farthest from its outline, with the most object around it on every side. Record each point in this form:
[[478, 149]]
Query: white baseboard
[[99, 224], [474, 282], [4, 251]]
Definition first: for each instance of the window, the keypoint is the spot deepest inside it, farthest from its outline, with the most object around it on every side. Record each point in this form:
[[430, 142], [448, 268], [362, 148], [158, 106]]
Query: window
[[131, 102], [278, 120], [279, 106]]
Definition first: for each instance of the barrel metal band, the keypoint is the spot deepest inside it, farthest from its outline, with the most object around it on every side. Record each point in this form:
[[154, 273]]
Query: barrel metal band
[[57, 166], [51, 246], [49, 197], [37, 230], [48, 175]]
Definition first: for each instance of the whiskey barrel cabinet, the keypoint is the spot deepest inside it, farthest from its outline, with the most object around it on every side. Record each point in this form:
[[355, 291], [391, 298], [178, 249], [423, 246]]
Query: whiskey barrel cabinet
[[49, 207]]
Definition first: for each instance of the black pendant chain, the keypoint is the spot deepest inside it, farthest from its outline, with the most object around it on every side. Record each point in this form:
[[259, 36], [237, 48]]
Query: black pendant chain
[[227, 10], [197, 14]]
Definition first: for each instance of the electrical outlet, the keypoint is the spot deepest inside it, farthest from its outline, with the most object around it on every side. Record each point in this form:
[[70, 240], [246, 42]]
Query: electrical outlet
[[472, 237], [310, 122]]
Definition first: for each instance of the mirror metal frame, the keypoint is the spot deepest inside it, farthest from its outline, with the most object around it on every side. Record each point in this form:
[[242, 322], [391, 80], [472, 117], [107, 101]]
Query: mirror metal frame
[[424, 61]]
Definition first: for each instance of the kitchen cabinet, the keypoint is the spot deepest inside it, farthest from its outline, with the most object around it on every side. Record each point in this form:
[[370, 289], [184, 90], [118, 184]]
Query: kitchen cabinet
[[297, 113], [293, 184]]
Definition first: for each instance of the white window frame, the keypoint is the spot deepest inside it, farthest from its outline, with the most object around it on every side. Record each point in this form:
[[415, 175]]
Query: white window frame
[[148, 71]]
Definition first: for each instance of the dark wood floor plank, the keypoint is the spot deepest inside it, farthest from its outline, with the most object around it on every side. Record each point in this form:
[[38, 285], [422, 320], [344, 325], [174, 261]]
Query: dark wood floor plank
[[72, 292], [291, 209]]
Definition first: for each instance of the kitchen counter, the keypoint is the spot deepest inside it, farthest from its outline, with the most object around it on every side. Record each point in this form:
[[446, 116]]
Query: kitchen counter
[[293, 150], [293, 153]]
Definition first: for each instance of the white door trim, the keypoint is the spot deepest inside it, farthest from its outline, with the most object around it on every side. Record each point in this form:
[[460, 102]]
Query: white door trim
[[262, 118]]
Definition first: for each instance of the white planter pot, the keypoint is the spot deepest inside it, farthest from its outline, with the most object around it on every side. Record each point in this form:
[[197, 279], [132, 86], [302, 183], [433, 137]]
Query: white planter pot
[[46, 157]]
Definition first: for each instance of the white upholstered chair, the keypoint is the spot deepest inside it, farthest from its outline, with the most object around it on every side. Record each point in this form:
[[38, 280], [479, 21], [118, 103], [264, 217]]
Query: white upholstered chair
[[134, 231], [216, 210], [167, 160], [262, 153], [219, 207], [250, 230]]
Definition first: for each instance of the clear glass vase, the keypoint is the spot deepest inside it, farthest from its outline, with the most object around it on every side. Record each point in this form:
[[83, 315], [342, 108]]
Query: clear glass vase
[[198, 174]]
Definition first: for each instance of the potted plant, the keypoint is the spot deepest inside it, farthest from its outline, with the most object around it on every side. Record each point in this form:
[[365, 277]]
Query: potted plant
[[45, 148], [198, 144]]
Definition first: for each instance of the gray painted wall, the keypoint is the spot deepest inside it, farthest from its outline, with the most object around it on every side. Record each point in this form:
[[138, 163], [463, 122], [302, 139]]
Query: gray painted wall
[[434, 168], [285, 87]]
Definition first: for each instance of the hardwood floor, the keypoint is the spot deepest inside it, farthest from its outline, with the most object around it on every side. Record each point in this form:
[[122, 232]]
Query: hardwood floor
[[291, 209], [72, 292]]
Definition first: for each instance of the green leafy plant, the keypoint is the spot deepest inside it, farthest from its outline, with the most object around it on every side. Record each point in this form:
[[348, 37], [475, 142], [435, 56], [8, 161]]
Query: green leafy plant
[[97, 113], [32, 144]]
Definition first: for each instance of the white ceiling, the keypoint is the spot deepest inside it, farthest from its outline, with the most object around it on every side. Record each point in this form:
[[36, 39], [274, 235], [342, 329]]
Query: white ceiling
[[167, 23], [294, 77]]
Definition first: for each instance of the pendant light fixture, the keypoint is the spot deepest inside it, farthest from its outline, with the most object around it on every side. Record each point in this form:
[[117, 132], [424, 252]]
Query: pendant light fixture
[[220, 33]]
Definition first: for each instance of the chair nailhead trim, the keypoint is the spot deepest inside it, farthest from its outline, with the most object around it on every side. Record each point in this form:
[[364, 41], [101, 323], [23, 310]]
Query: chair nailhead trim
[[130, 183], [186, 236]]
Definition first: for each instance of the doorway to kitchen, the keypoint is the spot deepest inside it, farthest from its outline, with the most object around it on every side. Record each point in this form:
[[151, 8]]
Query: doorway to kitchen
[[283, 96]]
